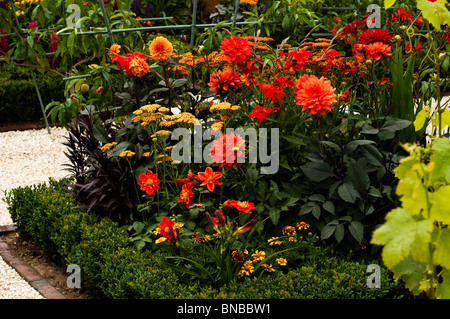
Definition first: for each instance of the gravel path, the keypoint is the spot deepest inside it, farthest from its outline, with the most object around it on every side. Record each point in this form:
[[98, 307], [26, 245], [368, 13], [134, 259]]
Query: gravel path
[[28, 158]]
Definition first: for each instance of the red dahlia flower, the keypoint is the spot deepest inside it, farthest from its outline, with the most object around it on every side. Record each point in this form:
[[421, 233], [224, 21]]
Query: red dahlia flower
[[271, 92], [149, 182], [235, 49], [167, 228], [244, 207], [375, 35], [227, 149], [209, 178], [186, 194], [260, 113]]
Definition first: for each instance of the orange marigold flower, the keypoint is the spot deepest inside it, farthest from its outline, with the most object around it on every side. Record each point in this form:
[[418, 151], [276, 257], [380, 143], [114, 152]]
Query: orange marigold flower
[[161, 49], [288, 230], [115, 48], [235, 49], [302, 225], [209, 178], [314, 94], [149, 182], [138, 66], [238, 256], [223, 80]]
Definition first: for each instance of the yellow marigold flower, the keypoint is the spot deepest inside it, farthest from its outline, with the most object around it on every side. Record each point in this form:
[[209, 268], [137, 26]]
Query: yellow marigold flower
[[146, 154], [161, 49], [258, 255], [160, 240], [267, 268], [274, 241], [281, 261], [246, 269], [289, 230]]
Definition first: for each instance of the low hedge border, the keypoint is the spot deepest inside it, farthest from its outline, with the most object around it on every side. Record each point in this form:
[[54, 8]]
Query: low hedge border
[[112, 268]]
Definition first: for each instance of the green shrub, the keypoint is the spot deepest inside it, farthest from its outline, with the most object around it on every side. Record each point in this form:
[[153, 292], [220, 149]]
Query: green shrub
[[112, 268], [19, 100]]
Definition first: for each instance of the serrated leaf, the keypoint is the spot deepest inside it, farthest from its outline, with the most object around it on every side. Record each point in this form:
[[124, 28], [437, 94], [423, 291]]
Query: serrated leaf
[[435, 12], [411, 272], [402, 236], [441, 254], [440, 201]]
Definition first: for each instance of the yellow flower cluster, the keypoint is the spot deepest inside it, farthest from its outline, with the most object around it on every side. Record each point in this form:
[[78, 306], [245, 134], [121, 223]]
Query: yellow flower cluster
[[108, 146], [149, 113], [21, 2], [224, 106], [127, 153], [179, 119]]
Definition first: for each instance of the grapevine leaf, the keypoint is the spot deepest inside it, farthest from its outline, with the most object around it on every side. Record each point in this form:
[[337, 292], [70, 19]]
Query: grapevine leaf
[[441, 255], [440, 201], [421, 117], [435, 12], [401, 236], [413, 193], [388, 3], [440, 156], [411, 272], [443, 288]]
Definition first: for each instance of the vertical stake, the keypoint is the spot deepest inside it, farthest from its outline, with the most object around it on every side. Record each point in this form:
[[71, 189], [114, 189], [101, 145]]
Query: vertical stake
[[40, 100]]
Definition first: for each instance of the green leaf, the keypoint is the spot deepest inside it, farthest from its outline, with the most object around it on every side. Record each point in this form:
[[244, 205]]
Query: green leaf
[[357, 230], [421, 117], [348, 192], [358, 177], [388, 3], [440, 156], [402, 236], [317, 171], [329, 207], [100, 133], [339, 232], [411, 272], [387, 131], [440, 201], [443, 289], [350, 147], [441, 241], [328, 229], [435, 12]]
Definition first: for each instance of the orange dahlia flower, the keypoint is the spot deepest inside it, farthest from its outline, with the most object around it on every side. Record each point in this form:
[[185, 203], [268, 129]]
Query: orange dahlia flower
[[161, 49], [377, 50], [138, 66], [314, 94], [223, 80]]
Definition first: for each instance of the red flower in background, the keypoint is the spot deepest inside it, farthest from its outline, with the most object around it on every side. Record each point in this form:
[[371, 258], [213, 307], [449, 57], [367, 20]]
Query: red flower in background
[[223, 80], [209, 178], [375, 35], [149, 182], [260, 113], [271, 92], [235, 49], [314, 94], [301, 58], [416, 50], [227, 149], [244, 207], [167, 228], [377, 50], [123, 61], [220, 218], [186, 194]]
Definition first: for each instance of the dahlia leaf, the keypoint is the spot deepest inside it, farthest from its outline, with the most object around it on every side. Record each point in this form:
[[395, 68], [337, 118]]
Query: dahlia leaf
[[348, 192]]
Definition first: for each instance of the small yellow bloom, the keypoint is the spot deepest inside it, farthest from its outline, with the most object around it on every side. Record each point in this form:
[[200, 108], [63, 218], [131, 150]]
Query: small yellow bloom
[[160, 240], [274, 241], [258, 255], [146, 154], [127, 153], [281, 261], [302, 225], [267, 268]]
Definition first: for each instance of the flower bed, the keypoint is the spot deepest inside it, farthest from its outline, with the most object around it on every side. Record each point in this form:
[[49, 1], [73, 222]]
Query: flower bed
[[249, 157]]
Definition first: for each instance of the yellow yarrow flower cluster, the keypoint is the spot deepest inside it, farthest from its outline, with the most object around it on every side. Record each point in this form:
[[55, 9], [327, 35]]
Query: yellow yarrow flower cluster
[[184, 118], [224, 106], [149, 113]]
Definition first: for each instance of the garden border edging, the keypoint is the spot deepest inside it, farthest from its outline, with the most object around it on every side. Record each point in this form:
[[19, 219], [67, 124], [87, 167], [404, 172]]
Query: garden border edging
[[26, 271]]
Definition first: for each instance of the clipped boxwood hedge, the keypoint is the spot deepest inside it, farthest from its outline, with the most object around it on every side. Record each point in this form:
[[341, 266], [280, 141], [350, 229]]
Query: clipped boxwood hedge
[[112, 268]]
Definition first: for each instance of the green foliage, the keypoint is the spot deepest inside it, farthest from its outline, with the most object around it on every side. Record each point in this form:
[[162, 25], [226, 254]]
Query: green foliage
[[415, 236], [113, 268], [26, 108]]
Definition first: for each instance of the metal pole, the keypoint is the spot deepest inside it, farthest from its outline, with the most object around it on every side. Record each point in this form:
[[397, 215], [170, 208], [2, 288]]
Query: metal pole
[[236, 8], [40, 101], [194, 24]]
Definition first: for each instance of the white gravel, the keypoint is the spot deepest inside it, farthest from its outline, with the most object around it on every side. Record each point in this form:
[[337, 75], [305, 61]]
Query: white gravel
[[27, 158]]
